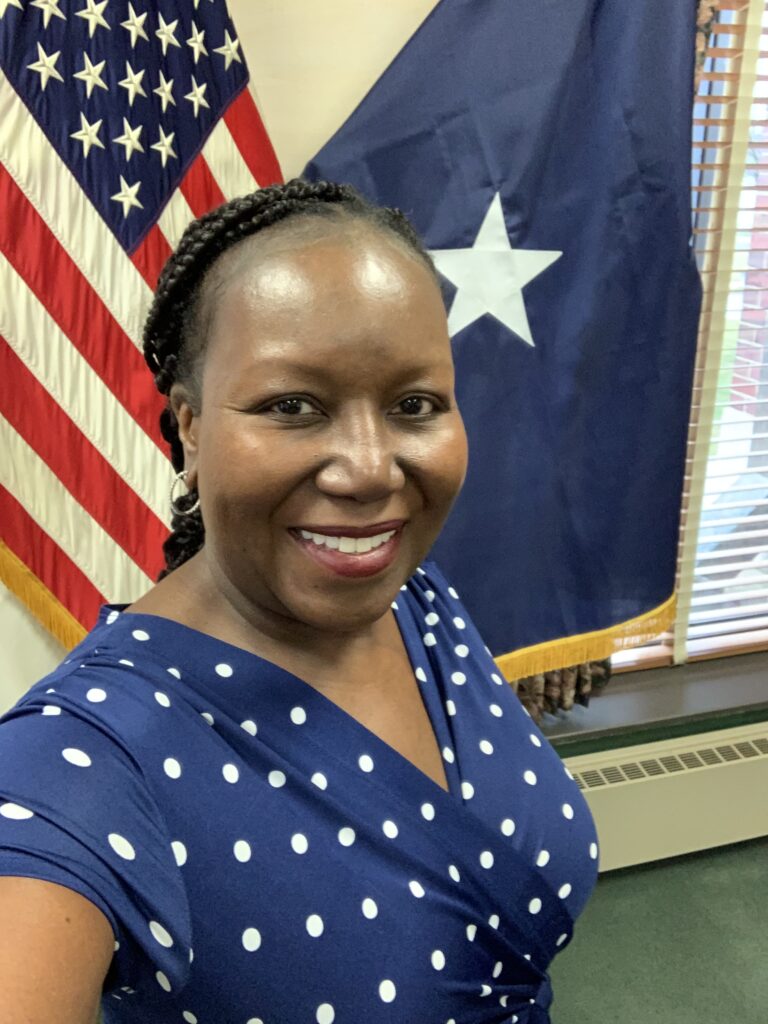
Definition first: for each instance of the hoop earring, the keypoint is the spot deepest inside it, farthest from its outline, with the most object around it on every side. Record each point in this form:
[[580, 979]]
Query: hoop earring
[[174, 508]]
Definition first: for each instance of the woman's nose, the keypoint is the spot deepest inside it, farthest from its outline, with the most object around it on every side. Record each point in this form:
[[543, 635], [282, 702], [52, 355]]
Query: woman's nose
[[363, 463]]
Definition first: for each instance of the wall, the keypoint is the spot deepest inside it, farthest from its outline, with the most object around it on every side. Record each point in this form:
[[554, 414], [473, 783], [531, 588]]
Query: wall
[[310, 65]]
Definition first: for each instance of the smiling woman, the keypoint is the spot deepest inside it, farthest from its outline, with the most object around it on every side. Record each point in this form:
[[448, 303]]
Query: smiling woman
[[293, 758]]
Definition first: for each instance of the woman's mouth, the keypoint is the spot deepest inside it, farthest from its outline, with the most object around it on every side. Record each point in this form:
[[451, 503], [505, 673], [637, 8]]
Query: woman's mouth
[[352, 555]]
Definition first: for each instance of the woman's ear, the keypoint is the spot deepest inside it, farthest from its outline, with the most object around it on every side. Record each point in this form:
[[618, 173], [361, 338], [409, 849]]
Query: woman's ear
[[187, 419]]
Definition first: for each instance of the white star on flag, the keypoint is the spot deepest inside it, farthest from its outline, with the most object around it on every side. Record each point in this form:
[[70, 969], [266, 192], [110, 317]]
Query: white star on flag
[[164, 91], [130, 139], [135, 25], [91, 74], [196, 44], [45, 66], [50, 9], [164, 145], [132, 83], [88, 134], [490, 276], [93, 14], [127, 195], [5, 4], [229, 50], [197, 95], [166, 33]]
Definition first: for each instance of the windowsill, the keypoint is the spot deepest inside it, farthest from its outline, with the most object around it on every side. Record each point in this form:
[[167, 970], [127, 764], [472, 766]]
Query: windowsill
[[640, 707]]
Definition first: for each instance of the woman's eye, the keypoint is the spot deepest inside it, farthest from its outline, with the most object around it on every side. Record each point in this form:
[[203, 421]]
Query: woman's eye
[[292, 407], [417, 405]]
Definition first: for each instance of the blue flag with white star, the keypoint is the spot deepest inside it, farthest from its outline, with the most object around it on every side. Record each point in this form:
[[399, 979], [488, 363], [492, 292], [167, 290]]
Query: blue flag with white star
[[543, 152]]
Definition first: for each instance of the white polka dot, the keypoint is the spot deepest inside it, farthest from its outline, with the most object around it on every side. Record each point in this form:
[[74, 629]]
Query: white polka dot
[[535, 739], [453, 871], [162, 699], [251, 939], [390, 829], [96, 695], [569, 773], [438, 959], [230, 772], [508, 827], [242, 851], [493, 921], [417, 889], [428, 812], [430, 595], [432, 618], [450, 707], [565, 890], [159, 934], [121, 846], [486, 746], [593, 851], [171, 767], [162, 981], [174, 672], [207, 716], [387, 991], [298, 715], [140, 634], [395, 605], [190, 1018], [461, 650], [486, 990], [15, 812], [429, 639], [567, 811], [325, 1014], [404, 587], [249, 726], [448, 755], [421, 675], [543, 859], [370, 910], [453, 593], [224, 670], [498, 967], [319, 780], [467, 790], [503, 1000], [561, 939], [535, 905], [76, 757], [346, 836], [486, 859], [124, 661], [191, 954], [497, 679], [530, 777], [459, 678], [495, 710], [179, 852], [471, 932], [366, 762], [276, 778], [315, 925], [111, 617], [299, 843], [51, 709]]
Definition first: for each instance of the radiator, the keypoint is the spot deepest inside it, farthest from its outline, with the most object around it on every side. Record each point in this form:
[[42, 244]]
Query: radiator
[[676, 796]]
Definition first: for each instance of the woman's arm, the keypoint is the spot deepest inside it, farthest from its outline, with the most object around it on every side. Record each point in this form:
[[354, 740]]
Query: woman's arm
[[55, 950]]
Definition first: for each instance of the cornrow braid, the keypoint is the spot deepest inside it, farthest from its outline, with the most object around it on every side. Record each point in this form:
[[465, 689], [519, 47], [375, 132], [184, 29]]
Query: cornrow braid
[[174, 335]]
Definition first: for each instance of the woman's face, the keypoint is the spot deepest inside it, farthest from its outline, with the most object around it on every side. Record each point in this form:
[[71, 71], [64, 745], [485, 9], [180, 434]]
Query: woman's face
[[327, 408]]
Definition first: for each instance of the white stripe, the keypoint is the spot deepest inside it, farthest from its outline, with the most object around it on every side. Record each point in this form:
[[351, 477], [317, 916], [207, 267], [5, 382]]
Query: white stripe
[[48, 353], [53, 190], [175, 218], [227, 165], [49, 503]]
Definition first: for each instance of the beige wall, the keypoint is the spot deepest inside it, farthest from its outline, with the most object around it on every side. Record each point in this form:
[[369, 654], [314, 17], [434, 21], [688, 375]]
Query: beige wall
[[311, 63]]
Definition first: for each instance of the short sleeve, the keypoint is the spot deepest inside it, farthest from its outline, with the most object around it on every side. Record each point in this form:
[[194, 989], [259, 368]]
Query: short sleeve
[[76, 810]]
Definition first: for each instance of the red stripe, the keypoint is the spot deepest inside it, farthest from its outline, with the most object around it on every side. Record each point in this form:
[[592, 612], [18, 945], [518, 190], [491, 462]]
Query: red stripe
[[48, 562], [79, 465], [244, 122], [200, 189], [150, 256], [53, 276]]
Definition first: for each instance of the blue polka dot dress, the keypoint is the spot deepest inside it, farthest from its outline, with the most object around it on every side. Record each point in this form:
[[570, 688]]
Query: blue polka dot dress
[[264, 858]]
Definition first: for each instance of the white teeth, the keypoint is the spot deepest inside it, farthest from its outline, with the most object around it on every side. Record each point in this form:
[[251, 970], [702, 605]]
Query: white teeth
[[349, 545]]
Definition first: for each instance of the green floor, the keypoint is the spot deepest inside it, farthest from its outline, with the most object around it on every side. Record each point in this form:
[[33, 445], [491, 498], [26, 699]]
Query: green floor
[[680, 941]]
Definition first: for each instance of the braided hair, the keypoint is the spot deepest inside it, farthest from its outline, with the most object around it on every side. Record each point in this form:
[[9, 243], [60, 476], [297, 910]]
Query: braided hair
[[175, 332]]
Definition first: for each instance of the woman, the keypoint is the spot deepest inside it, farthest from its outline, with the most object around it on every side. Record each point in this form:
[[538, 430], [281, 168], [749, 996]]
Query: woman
[[287, 784]]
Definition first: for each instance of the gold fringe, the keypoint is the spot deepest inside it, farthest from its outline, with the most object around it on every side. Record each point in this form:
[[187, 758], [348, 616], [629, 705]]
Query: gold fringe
[[46, 608], [574, 650]]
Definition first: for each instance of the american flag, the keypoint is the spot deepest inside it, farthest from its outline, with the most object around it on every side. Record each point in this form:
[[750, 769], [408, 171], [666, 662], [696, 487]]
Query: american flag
[[119, 123]]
